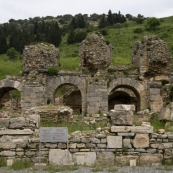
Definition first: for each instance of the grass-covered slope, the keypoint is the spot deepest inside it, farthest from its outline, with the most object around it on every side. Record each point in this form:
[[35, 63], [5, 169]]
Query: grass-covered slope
[[122, 38]]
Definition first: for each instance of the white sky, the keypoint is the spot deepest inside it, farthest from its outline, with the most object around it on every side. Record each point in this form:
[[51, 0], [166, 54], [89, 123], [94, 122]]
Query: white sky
[[23, 9]]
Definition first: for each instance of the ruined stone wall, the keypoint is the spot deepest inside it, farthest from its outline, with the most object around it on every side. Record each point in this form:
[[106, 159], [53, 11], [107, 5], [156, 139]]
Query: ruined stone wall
[[19, 138], [94, 53], [152, 56], [38, 58]]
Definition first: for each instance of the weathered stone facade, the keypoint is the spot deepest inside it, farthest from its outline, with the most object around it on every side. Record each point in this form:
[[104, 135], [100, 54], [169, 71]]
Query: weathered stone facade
[[20, 139], [94, 53], [38, 58], [152, 56]]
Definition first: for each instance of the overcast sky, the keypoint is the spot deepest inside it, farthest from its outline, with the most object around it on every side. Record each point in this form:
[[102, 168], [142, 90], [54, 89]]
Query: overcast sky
[[23, 9]]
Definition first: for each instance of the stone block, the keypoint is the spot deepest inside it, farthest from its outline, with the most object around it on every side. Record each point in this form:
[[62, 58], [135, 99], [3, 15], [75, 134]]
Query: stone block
[[141, 141], [95, 140], [165, 113], [81, 145], [20, 143], [101, 145], [7, 153], [114, 141], [124, 107], [132, 129], [124, 160], [106, 157], [72, 145], [156, 84], [127, 143], [59, 157], [126, 134], [10, 162], [148, 159], [7, 145], [122, 117], [40, 166], [85, 158], [17, 123], [16, 132], [4, 122]]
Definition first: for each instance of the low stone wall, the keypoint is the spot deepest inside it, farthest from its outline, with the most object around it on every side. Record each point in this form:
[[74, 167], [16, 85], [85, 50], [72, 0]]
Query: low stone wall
[[19, 138]]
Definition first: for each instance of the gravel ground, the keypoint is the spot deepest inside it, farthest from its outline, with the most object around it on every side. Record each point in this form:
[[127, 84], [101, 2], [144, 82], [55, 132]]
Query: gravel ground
[[125, 169]]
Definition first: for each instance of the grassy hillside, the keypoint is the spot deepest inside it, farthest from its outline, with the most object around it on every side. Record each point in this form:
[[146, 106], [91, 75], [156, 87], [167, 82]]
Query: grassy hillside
[[122, 38], [9, 67]]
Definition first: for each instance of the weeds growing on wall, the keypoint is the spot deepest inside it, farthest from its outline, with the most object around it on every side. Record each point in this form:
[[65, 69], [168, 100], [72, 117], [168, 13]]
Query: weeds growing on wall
[[156, 123], [21, 164]]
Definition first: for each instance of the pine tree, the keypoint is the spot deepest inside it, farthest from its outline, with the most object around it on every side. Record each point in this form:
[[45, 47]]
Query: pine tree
[[110, 17], [54, 36], [3, 43], [71, 37]]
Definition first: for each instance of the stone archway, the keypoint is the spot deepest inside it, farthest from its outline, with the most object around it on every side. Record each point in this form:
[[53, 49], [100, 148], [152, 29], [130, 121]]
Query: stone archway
[[137, 87], [69, 95], [10, 94], [80, 82]]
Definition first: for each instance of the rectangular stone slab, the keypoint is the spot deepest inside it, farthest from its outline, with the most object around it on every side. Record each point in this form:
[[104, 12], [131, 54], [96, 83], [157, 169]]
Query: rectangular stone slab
[[132, 129], [16, 132]]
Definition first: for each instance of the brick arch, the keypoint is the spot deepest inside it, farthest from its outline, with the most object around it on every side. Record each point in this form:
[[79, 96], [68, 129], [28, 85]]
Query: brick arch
[[80, 82], [136, 86], [8, 83]]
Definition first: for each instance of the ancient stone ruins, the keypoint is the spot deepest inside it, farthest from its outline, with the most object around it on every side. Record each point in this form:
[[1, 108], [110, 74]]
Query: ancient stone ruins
[[124, 97]]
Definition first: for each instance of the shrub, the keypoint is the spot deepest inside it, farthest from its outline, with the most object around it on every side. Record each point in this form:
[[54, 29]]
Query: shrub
[[52, 71], [80, 35], [13, 54], [104, 32], [16, 94], [138, 30]]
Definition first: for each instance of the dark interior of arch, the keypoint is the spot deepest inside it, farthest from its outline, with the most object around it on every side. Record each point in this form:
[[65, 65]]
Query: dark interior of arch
[[121, 97], [10, 98], [69, 95]]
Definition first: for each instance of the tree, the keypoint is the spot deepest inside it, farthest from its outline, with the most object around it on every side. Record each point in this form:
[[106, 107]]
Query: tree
[[103, 22], [110, 17], [13, 54], [71, 37], [54, 36], [153, 23], [3, 43]]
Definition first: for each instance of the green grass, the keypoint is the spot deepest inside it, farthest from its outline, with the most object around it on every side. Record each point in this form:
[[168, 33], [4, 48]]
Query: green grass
[[9, 67], [21, 164], [156, 123]]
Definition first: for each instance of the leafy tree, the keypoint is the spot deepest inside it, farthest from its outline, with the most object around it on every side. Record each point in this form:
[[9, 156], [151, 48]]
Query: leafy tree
[[13, 54], [103, 22], [153, 23], [3, 43]]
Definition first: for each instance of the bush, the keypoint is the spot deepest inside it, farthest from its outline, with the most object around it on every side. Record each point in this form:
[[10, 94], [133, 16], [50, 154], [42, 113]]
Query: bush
[[13, 54], [104, 32], [80, 35], [52, 71], [15, 94], [138, 30]]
